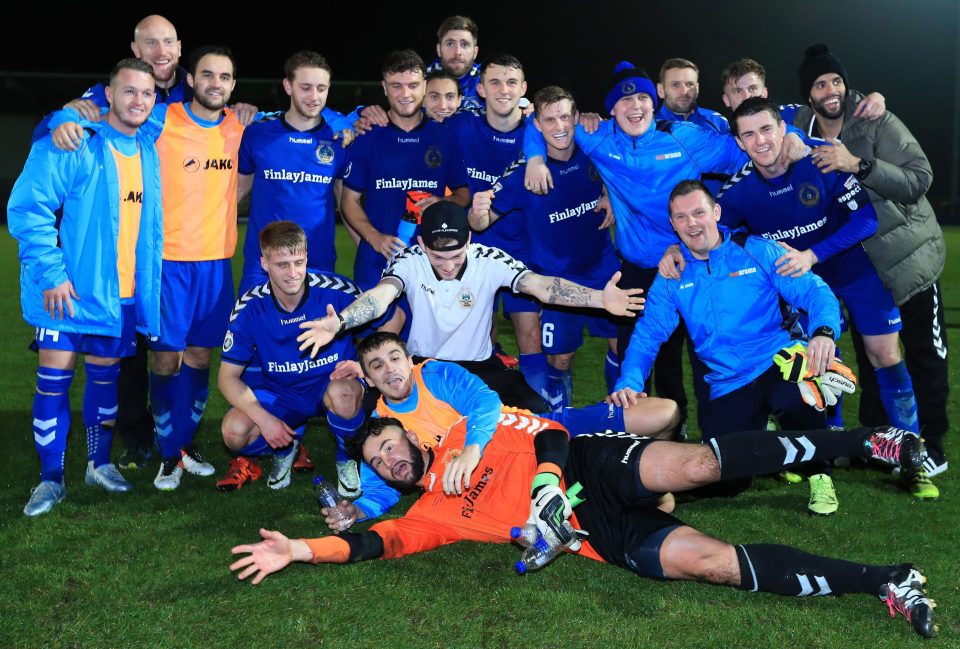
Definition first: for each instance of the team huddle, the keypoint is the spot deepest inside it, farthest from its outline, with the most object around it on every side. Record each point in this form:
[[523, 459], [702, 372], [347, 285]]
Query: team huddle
[[760, 240]]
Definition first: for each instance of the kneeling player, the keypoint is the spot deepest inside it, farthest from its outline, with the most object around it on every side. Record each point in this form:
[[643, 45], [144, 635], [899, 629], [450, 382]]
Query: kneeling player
[[525, 473], [264, 324]]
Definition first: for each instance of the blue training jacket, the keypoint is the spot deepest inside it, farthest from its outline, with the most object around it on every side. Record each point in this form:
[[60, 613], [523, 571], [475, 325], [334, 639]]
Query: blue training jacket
[[730, 304], [85, 183], [640, 172]]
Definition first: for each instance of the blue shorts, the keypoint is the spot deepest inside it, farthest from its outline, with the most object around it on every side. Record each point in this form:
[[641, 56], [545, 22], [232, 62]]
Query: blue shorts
[[196, 298], [293, 408], [590, 419], [871, 306], [562, 329], [516, 302], [103, 346]]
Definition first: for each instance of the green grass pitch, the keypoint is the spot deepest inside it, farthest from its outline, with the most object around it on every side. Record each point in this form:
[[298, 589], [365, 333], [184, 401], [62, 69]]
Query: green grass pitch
[[149, 569]]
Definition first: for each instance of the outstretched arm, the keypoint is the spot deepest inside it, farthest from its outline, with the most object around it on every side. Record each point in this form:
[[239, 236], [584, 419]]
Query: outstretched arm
[[274, 553], [556, 290], [369, 306]]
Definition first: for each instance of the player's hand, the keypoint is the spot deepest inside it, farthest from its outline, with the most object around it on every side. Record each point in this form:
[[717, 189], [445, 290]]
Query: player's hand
[[456, 478], [620, 301], [276, 431], [346, 136], [349, 512], [821, 352], [427, 201], [386, 244], [375, 116], [871, 107], [590, 122], [68, 136], [835, 157], [56, 300], [346, 370], [273, 553], [86, 108], [246, 113], [625, 397], [529, 110], [319, 332], [794, 148], [603, 204], [480, 210], [537, 178], [672, 263], [549, 510], [795, 263], [363, 126]]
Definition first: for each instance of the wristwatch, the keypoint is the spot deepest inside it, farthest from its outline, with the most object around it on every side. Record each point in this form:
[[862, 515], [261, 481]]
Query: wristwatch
[[863, 169], [824, 330]]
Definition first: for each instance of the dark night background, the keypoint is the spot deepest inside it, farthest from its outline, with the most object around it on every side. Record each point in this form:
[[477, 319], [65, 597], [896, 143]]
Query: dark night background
[[906, 50]]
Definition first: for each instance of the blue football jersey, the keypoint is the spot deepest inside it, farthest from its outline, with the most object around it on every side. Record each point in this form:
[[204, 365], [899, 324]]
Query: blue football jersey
[[260, 328], [387, 163], [293, 175], [487, 153], [827, 213], [562, 226]]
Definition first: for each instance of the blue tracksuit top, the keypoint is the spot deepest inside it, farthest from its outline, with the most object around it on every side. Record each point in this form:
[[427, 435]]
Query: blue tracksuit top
[[730, 304], [640, 172]]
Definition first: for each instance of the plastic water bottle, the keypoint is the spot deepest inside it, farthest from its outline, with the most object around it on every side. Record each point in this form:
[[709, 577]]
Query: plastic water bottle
[[525, 536], [537, 555], [411, 218], [408, 225], [541, 551], [328, 496]]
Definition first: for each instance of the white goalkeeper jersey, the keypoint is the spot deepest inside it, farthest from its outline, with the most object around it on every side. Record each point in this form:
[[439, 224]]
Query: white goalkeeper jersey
[[452, 318]]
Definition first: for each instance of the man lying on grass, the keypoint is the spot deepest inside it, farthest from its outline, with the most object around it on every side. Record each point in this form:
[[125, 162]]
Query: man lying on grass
[[623, 477]]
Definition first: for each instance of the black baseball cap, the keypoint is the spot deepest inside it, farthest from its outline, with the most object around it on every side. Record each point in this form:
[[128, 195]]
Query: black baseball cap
[[444, 220]]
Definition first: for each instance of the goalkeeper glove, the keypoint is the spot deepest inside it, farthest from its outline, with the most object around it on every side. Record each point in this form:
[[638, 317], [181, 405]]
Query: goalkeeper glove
[[818, 392], [550, 509], [792, 362]]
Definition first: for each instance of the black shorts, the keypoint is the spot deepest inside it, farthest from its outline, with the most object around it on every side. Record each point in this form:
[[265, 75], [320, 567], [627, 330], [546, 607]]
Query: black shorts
[[620, 514]]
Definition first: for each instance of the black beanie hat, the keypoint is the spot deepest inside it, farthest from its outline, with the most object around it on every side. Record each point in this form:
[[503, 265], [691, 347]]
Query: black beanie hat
[[819, 60]]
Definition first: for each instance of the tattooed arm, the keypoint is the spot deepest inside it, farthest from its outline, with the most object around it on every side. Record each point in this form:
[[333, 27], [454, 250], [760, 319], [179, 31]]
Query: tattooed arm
[[369, 306], [556, 290]]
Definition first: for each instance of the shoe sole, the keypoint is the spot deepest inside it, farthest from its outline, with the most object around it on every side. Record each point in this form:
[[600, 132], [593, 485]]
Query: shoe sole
[[279, 483], [46, 510], [233, 486], [165, 487], [111, 490], [203, 473]]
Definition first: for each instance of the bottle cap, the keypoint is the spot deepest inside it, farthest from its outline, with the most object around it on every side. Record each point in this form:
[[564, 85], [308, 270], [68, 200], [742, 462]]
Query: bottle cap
[[521, 567]]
